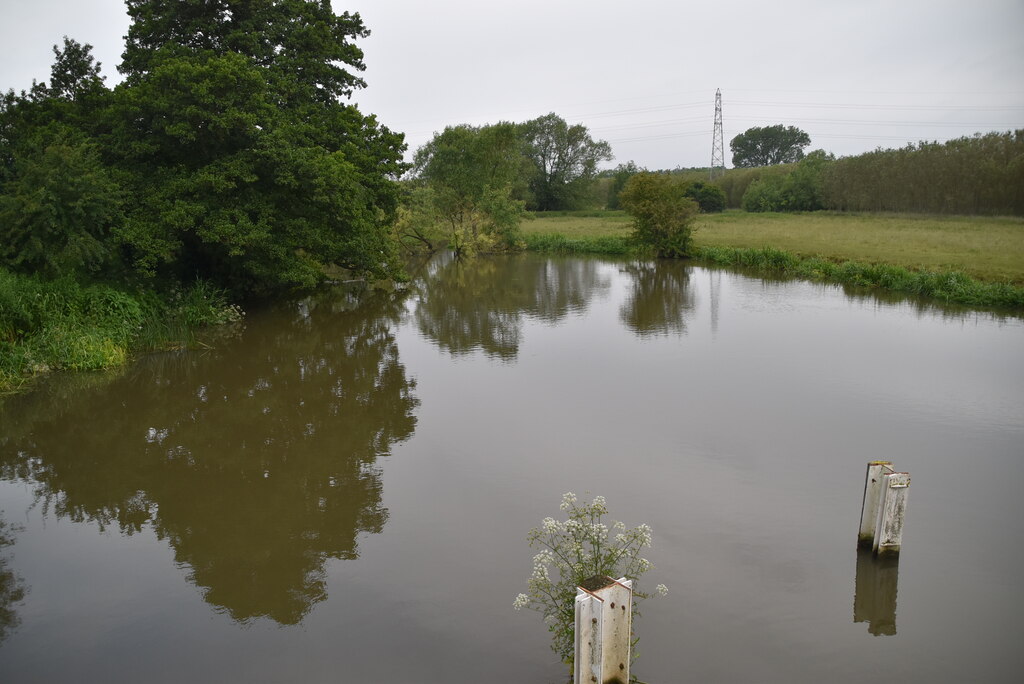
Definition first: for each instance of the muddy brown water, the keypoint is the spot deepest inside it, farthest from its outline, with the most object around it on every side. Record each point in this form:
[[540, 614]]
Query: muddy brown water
[[340, 490]]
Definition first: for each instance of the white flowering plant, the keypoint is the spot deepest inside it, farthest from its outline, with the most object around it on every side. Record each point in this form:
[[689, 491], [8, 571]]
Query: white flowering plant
[[576, 549]]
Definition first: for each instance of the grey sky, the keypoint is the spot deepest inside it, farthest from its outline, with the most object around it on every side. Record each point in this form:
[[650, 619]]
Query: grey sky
[[642, 75]]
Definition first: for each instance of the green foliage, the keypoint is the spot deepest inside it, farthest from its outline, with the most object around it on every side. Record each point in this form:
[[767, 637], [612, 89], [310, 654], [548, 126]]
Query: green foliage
[[768, 145], [765, 194], [735, 182], [560, 244], [577, 549], [621, 175], [662, 213], [951, 287], [799, 188], [710, 198], [74, 73], [564, 162], [59, 210], [471, 173], [48, 325], [982, 174], [803, 185], [228, 133]]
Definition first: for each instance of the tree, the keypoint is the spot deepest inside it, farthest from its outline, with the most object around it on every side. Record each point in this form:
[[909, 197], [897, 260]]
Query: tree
[[564, 159], [57, 214], [662, 213], [621, 175], [471, 172], [74, 72], [710, 198], [246, 166], [769, 145]]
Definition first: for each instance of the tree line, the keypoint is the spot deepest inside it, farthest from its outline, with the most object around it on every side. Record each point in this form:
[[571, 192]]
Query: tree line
[[469, 186], [227, 153]]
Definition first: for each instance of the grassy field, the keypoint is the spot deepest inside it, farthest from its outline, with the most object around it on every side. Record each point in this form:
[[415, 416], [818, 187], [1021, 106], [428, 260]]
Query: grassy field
[[986, 248]]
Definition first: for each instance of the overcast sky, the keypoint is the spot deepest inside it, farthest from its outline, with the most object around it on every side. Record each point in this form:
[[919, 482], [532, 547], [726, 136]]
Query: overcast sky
[[642, 74]]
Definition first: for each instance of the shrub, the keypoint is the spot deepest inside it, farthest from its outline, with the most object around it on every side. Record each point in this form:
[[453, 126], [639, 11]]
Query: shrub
[[710, 198], [662, 213]]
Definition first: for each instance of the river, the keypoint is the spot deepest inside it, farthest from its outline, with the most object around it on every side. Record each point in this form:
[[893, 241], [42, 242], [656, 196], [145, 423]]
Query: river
[[339, 489]]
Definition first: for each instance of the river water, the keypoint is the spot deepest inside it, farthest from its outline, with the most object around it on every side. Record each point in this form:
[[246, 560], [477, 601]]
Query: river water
[[340, 489]]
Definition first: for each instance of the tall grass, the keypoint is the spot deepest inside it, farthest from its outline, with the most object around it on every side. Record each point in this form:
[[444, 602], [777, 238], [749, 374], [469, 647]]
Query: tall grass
[[50, 325], [948, 286], [560, 244]]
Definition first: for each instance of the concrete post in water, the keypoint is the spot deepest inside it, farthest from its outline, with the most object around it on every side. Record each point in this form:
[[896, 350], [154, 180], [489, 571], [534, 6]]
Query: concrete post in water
[[872, 496], [891, 510], [604, 615]]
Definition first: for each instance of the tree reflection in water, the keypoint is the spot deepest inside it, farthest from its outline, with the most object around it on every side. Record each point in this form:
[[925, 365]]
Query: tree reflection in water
[[12, 588], [256, 461], [482, 304], [660, 300]]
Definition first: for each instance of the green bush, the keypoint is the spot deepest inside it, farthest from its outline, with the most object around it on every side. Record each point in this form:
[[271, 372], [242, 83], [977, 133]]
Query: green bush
[[710, 198], [764, 194], [662, 213]]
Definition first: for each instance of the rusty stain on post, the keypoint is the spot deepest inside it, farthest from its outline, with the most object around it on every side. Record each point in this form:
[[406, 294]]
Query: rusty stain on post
[[603, 629]]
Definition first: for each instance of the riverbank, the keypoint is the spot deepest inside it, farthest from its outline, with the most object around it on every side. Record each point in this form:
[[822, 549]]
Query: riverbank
[[61, 325], [974, 261]]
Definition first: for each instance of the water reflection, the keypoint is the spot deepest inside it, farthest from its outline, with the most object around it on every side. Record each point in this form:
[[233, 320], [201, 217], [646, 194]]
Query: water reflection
[[874, 598], [466, 305], [660, 299], [12, 588], [256, 462]]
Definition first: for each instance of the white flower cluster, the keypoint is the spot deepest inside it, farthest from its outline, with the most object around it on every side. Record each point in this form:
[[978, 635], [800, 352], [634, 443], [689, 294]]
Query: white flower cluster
[[573, 550]]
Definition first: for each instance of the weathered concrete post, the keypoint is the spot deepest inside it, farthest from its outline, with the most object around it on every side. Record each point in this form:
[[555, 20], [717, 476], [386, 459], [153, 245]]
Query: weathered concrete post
[[872, 496], [604, 615], [891, 511]]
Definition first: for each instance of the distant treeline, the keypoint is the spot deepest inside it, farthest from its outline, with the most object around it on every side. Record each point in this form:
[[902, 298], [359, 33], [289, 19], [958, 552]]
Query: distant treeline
[[981, 174]]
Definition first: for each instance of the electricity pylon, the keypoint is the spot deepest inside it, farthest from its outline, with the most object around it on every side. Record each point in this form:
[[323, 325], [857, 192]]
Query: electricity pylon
[[718, 144]]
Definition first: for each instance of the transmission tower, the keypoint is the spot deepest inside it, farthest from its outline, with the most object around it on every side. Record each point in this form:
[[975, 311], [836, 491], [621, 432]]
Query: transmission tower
[[718, 144]]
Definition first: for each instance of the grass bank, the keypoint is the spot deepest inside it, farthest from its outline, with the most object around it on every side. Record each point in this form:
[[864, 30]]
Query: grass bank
[[953, 287], [976, 261], [64, 325]]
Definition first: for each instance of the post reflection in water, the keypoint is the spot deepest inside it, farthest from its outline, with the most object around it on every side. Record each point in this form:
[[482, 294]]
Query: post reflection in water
[[874, 598], [256, 462]]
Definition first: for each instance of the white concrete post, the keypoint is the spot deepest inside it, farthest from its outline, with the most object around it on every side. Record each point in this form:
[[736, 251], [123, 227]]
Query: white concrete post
[[872, 496], [891, 511], [604, 616]]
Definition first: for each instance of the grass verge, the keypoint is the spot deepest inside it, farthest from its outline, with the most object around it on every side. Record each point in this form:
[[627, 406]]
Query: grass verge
[[64, 325], [973, 261], [952, 287]]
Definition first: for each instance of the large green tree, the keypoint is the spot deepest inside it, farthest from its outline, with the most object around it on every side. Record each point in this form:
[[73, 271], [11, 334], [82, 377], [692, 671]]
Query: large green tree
[[768, 145], [564, 160], [471, 174], [246, 164], [230, 138]]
